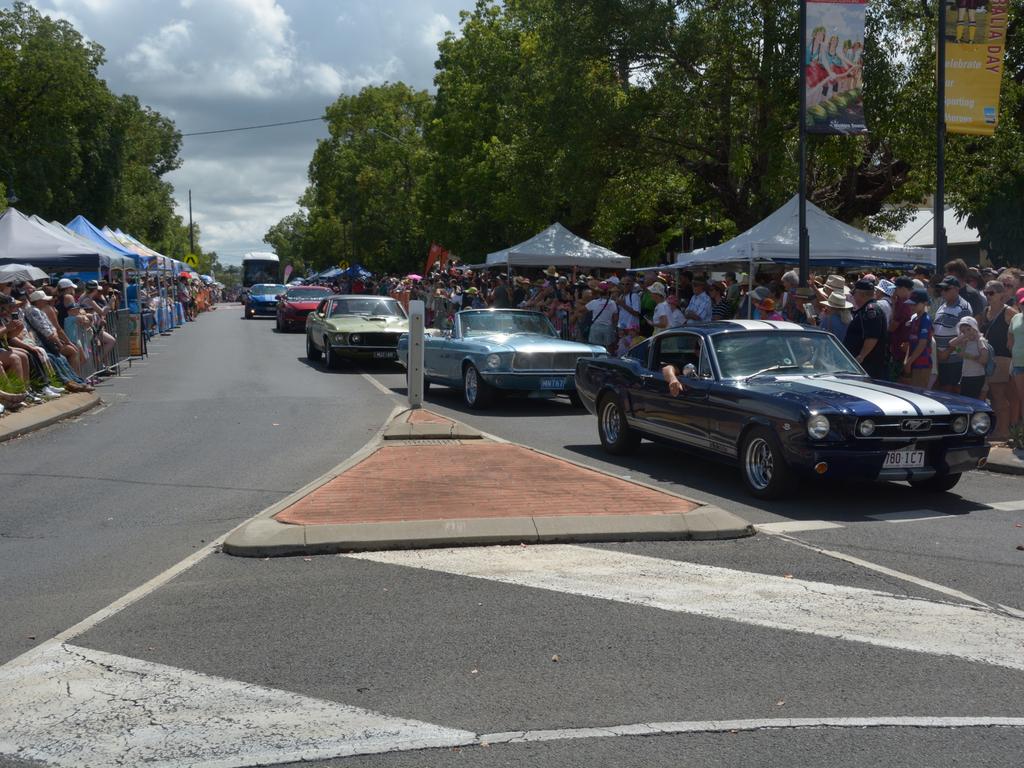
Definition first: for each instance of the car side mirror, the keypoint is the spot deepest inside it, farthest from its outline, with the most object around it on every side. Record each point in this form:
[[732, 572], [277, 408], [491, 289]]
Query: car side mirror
[[690, 371]]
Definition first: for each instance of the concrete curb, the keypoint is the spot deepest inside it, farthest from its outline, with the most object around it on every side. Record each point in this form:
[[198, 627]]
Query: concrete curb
[[38, 417], [1004, 461], [263, 536]]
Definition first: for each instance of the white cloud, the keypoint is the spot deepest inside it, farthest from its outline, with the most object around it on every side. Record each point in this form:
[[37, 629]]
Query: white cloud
[[212, 64], [434, 29]]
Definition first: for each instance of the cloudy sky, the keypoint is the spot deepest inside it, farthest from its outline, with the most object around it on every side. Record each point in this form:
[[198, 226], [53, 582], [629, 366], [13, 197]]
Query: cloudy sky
[[212, 64]]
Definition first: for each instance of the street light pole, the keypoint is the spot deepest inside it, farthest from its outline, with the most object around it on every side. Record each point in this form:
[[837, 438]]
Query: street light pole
[[940, 140], [805, 239], [191, 235]]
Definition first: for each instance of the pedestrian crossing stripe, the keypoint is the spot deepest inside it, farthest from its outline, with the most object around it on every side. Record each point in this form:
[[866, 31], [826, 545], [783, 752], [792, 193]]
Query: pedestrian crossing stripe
[[829, 610]]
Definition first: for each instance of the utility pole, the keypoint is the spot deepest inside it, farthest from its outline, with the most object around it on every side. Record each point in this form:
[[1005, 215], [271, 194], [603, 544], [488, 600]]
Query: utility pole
[[191, 235], [940, 140], [805, 239]]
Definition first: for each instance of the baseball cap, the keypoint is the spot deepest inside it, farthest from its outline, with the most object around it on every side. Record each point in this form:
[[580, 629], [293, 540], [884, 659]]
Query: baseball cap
[[949, 282], [39, 296], [864, 285], [919, 296], [92, 284], [64, 283], [886, 286], [904, 282]]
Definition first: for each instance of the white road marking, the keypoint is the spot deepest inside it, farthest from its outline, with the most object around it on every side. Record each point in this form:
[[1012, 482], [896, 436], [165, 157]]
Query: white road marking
[[911, 516], [1007, 506], [796, 526], [910, 578], [732, 726], [817, 608], [378, 385], [80, 708]]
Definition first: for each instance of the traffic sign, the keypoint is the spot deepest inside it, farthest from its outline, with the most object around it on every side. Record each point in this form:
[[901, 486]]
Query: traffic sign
[[192, 261]]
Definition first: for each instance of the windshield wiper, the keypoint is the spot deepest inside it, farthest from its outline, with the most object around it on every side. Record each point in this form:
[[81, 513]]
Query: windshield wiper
[[772, 368]]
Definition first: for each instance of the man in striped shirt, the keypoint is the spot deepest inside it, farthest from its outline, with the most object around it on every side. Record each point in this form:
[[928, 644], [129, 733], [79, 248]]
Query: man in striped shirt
[[946, 328]]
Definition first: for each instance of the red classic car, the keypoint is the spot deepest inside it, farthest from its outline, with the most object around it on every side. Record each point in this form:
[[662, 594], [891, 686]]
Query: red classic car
[[297, 302]]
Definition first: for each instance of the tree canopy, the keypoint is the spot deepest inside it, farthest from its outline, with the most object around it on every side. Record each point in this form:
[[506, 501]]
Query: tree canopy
[[72, 146]]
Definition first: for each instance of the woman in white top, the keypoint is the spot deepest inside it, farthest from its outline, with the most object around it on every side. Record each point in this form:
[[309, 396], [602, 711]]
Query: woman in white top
[[666, 310]]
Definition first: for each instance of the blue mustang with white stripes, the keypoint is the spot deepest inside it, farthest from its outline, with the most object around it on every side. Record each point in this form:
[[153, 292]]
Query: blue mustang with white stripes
[[781, 401]]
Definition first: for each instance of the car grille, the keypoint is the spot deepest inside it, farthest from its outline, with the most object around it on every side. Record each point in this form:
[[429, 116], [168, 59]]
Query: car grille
[[911, 427], [546, 361], [375, 339]]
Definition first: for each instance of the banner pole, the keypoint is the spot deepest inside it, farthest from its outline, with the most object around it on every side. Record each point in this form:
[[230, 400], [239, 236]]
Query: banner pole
[[805, 246], [940, 139]]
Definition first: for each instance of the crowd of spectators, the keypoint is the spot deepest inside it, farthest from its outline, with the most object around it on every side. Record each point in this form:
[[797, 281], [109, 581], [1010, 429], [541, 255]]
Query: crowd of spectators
[[958, 331], [60, 336]]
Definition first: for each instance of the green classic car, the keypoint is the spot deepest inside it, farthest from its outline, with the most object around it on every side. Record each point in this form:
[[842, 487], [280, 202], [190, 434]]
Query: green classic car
[[354, 327]]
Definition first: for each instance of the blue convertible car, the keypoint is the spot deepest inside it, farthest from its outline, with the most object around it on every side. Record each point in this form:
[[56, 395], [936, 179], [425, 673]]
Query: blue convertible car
[[782, 401], [506, 350]]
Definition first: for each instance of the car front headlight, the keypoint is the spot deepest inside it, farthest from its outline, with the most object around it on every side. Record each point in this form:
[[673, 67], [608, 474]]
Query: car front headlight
[[818, 427], [959, 425], [981, 423], [355, 338], [866, 428], [338, 338], [494, 361]]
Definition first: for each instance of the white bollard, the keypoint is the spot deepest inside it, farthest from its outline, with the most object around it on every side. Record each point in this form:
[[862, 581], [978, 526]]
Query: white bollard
[[414, 365]]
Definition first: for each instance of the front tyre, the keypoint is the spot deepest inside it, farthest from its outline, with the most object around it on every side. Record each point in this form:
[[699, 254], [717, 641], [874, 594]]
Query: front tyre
[[574, 398], [765, 472], [331, 360], [617, 437], [939, 483], [312, 353], [477, 393]]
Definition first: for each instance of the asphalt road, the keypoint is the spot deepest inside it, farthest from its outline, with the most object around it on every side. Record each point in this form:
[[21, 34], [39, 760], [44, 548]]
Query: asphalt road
[[227, 417]]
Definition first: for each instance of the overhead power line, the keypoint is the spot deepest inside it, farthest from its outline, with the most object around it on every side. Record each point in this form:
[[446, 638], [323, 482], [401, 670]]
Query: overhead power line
[[255, 127]]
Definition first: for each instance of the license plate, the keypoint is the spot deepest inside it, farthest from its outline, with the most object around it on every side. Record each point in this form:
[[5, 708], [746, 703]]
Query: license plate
[[384, 355], [906, 458], [552, 383]]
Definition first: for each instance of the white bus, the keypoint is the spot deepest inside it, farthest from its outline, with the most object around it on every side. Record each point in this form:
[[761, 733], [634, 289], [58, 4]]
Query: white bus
[[260, 267]]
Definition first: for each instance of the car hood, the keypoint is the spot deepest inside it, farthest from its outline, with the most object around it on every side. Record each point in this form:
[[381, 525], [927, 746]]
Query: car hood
[[363, 324], [530, 342], [308, 304], [860, 396]]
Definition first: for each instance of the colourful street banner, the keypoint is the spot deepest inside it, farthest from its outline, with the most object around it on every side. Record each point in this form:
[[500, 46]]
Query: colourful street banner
[[975, 41], [834, 66]]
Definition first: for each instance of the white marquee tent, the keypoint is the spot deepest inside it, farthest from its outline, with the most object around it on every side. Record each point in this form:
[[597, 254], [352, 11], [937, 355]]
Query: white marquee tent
[[557, 246], [775, 239]]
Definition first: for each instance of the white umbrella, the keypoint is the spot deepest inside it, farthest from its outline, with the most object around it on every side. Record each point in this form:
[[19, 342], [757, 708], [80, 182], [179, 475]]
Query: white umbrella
[[13, 273]]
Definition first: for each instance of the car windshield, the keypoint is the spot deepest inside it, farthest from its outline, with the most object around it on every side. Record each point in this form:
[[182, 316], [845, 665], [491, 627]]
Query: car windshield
[[266, 289], [487, 323], [741, 355], [307, 293], [373, 306]]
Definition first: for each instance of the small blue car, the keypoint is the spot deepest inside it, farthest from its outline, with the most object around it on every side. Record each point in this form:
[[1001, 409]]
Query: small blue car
[[262, 300]]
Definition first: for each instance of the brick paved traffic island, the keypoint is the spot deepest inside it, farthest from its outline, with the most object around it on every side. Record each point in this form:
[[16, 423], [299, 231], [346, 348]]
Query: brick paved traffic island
[[431, 481], [472, 480]]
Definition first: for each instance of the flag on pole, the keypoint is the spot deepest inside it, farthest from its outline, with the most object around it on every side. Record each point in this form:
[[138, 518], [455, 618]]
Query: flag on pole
[[975, 41], [436, 255], [835, 66]]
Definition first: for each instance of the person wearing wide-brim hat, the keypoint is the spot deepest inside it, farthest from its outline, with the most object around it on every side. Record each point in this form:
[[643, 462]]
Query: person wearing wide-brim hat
[[834, 313], [832, 284], [551, 272]]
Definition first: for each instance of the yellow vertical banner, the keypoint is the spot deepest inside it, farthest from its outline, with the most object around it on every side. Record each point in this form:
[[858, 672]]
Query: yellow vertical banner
[[975, 42]]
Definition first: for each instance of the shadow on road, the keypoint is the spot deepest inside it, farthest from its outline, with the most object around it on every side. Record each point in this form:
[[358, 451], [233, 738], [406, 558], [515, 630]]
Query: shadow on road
[[505, 406], [813, 499]]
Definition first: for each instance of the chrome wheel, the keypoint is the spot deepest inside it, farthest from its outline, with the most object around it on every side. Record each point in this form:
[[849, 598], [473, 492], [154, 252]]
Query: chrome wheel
[[472, 385], [759, 463], [611, 422]]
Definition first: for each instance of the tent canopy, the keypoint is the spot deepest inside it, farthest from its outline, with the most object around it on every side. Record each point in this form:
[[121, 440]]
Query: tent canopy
[[557, 246], [25, 241], [776, 240], [90, 231]]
